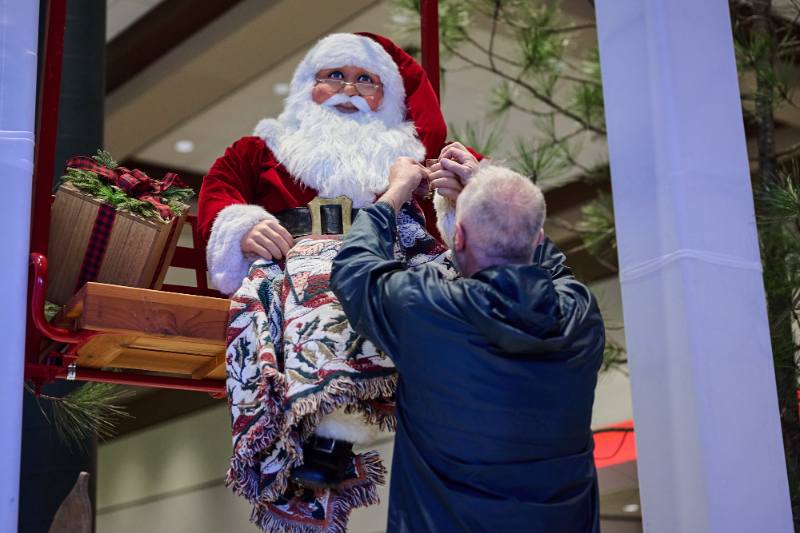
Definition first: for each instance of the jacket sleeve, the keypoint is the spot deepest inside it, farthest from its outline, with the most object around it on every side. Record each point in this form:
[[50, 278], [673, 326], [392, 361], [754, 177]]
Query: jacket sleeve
[[368, 281], [227, 211]]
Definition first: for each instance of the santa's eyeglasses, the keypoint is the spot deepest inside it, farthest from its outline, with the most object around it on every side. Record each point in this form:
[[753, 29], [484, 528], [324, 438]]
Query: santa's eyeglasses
[[337, 84]]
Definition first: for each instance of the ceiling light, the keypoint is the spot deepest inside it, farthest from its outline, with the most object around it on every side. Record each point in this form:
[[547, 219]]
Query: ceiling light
[[632, 508], [281, 89], [184, 147]]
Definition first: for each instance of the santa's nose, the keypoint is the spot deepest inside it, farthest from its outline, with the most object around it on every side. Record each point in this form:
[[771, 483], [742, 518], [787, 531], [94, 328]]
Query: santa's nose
[[350, 90]]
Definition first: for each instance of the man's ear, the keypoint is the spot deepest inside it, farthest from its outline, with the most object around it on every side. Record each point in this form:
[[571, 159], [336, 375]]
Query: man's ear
[[458, 237], [541, 237]]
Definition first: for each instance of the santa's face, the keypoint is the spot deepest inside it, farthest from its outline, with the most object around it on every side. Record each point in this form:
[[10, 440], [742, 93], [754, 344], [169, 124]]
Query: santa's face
[[348, 89]]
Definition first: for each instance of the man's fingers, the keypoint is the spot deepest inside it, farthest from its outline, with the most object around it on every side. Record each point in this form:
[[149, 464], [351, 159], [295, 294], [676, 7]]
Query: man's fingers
[[452, 194], [460, 170], [447, 183], [459, 153], [440, 173], [450, 147]]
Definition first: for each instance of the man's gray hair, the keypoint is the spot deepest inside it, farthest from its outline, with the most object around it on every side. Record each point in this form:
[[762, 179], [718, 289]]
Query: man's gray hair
[[503, 212]]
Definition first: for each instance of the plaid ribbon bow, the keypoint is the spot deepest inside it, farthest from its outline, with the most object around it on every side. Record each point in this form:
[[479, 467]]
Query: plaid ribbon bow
[[134, 182]]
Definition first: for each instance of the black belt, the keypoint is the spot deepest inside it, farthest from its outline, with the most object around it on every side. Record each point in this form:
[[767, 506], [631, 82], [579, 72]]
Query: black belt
[[298, 221]]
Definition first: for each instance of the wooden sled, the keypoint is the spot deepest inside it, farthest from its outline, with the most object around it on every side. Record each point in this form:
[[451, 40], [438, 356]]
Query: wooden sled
[[132, 336]]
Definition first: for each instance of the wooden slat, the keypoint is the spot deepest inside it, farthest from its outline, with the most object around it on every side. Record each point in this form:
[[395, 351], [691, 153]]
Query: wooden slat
[[218, 374], [72, 222], [176, 363], [102, 351], [207, 370], [160, 344], [124, 268], [143, 312], [176, 235]]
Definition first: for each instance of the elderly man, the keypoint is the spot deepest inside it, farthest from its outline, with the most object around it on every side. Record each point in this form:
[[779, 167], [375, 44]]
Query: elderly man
[[497, 370]]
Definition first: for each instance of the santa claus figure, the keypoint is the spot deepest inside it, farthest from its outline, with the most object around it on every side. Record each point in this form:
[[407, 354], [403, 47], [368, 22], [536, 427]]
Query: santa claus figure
[[357, 103]]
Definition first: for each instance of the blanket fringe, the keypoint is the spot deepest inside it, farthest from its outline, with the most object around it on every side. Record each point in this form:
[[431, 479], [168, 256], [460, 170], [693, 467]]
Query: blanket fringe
[[306, 414], [344, 501]]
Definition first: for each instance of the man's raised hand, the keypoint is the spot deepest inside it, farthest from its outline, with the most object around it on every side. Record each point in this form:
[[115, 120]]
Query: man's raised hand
[[268, 239], [454, 170], [405, 179]]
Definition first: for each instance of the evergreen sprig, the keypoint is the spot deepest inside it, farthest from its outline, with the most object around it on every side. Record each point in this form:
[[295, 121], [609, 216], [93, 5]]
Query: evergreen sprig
[[86, 411], [105, 159], [97, 186]]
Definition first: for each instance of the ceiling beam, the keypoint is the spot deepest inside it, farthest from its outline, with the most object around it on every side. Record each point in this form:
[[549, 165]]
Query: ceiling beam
[[157, 32]]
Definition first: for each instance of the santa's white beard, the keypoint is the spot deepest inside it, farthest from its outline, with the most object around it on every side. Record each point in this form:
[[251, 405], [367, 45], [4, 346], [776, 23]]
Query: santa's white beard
[[339, 154]]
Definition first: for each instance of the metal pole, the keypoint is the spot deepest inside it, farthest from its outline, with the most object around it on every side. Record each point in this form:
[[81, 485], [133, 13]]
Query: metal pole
[[18, 53], [45, 150], [429, 32], [708, 436]]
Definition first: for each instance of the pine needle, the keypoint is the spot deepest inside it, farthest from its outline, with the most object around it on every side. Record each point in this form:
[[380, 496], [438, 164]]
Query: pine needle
[[86, 411]]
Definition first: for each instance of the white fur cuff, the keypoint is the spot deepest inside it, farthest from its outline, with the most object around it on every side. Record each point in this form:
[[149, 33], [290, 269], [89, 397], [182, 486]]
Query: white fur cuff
[[227, 264], [351, 428], [445, 218]]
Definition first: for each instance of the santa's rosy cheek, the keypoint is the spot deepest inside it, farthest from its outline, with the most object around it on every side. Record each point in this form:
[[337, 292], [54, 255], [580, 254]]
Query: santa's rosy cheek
[[374, 101], [320, 94]]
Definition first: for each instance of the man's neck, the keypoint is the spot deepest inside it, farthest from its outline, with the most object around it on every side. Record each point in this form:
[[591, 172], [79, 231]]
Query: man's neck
[[473, 265]]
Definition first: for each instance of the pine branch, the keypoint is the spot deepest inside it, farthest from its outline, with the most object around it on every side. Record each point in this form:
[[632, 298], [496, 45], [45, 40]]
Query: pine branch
[[491, 54], [537, 94], [85, 412]]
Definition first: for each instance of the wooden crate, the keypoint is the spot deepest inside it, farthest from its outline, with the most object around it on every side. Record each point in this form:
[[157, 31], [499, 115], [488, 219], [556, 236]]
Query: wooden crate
[[132, 255], [149, 330]]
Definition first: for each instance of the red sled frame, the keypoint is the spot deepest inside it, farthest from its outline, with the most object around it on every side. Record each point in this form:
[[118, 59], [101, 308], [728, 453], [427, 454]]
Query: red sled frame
[[61, 364]]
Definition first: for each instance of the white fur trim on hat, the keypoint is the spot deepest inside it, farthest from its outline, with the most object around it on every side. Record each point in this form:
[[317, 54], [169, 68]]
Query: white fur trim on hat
[[343, 49], [227, 264], [445, 218], [347, 427]]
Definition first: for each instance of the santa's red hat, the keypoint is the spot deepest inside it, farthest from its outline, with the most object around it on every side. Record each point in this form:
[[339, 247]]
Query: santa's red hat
[[422, 106]]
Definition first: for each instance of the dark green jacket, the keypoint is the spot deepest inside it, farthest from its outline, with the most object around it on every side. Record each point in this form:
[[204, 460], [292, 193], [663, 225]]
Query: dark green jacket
[[497, 378]]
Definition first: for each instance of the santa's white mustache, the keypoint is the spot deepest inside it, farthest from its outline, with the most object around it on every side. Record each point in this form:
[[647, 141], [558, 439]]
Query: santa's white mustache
[[341, 98]]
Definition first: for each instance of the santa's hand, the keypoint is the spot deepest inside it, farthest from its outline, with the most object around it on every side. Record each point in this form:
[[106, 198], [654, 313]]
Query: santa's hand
[[404, 178], [268, 239]]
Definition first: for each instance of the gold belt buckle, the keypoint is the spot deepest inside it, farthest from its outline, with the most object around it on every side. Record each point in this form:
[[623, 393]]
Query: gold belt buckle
[[315, 206]]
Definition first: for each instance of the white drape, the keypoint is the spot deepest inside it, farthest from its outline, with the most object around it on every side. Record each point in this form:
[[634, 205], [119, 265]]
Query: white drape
[[19, 26], [708, 437]]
